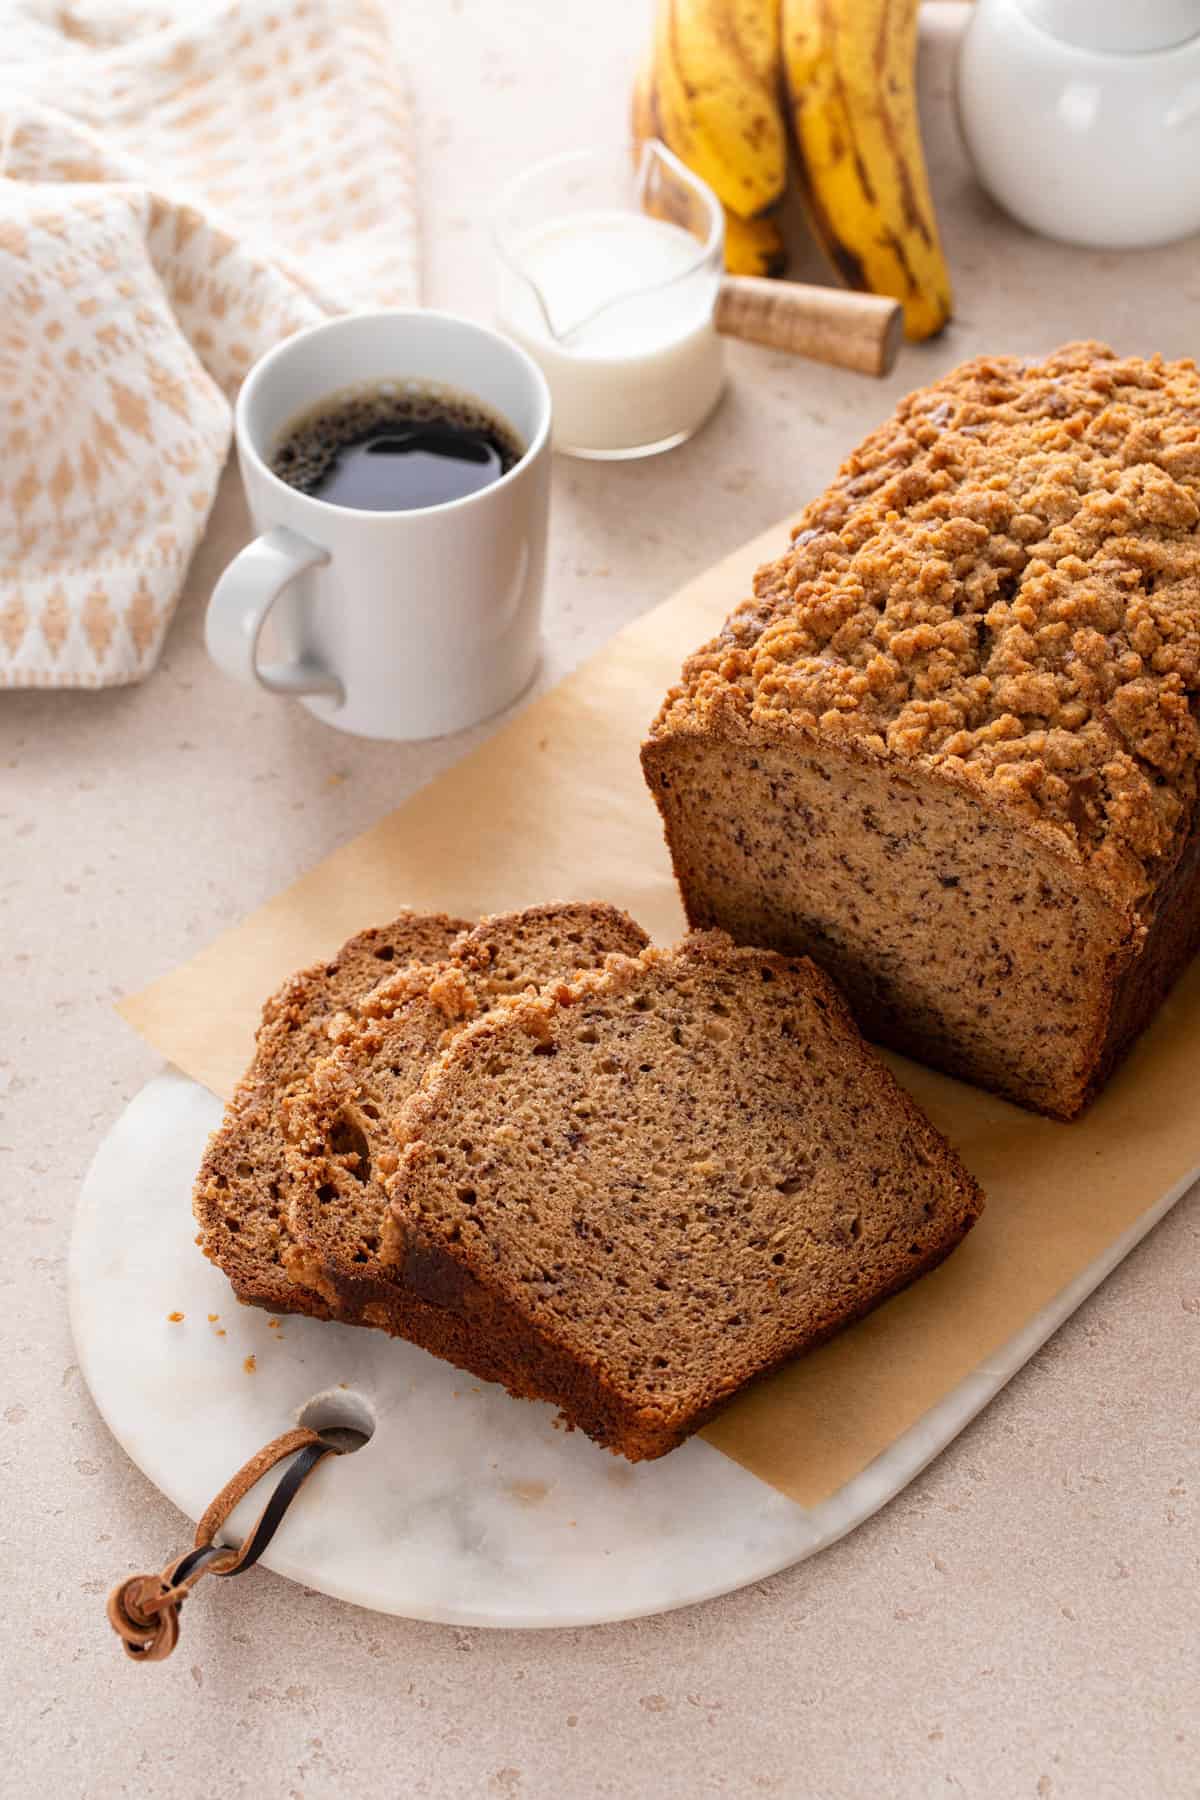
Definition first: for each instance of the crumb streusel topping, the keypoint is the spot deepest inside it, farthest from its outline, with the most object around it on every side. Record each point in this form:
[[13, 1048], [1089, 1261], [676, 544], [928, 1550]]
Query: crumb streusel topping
[[1002, 584]]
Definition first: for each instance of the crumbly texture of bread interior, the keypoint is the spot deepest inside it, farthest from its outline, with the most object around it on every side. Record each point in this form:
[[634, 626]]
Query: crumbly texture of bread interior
[[954, 939], [661, 1180]]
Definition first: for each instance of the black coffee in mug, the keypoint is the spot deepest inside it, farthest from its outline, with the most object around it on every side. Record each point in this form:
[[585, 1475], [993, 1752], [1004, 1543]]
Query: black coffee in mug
[[393, 446]]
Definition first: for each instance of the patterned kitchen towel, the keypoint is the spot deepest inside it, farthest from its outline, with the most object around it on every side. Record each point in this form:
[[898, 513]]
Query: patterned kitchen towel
[[180, 187]]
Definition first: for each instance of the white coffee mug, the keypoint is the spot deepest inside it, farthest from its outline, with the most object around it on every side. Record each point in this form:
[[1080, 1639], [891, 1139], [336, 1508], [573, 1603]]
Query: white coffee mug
[[392, 624]]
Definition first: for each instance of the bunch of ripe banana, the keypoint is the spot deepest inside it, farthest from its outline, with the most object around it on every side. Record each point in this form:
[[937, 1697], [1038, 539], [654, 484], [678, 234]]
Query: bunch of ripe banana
[[721, 83]]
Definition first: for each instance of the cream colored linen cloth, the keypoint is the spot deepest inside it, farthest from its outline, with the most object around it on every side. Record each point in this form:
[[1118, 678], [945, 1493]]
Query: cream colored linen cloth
[[180, 187]]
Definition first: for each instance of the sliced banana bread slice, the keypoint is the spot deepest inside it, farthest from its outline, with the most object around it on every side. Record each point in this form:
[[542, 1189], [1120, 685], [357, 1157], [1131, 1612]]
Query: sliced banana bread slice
[[239, 1197], [340, 1122], [655, 1183]]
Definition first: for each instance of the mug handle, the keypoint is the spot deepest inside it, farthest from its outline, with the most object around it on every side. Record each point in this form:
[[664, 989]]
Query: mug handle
[[238, 610]]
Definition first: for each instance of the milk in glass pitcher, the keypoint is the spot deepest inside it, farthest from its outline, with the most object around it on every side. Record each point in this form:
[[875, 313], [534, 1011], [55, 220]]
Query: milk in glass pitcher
[[610, 267]]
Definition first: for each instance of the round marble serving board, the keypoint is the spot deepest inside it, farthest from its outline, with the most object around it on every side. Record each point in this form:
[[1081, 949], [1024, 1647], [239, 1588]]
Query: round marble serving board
[[465, 1507]]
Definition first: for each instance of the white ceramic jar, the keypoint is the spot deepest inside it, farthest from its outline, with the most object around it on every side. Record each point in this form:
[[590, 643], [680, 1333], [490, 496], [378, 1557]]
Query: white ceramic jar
[[1082, 117]]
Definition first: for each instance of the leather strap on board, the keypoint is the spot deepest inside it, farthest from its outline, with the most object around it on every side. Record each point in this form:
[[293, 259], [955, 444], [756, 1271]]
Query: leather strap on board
[[144, 1609]]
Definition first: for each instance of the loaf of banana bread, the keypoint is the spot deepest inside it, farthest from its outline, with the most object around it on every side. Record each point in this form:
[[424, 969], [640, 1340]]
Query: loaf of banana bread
[[949, 747]]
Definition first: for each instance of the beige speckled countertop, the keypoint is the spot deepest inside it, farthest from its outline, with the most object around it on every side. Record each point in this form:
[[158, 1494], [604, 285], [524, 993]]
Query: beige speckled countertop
[[1024, 1620]]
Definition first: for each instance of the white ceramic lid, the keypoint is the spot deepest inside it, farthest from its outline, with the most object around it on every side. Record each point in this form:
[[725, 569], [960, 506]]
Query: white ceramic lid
[[1120, 27]]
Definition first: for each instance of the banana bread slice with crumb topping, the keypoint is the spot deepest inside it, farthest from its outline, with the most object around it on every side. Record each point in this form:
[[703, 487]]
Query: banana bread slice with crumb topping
[[339, 1122], [655, 1183], [240, 1196], [950, 747]]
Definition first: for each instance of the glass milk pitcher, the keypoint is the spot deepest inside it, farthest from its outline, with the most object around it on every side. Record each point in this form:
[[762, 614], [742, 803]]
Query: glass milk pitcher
[[610, 264]]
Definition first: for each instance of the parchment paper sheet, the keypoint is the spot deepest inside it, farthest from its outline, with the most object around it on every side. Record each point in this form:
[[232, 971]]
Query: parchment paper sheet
[[554, 807]]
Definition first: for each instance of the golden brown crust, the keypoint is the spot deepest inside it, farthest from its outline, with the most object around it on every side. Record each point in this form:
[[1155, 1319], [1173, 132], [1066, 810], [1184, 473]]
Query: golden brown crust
[[1003, 587]]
